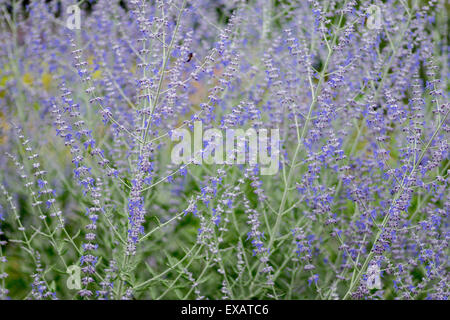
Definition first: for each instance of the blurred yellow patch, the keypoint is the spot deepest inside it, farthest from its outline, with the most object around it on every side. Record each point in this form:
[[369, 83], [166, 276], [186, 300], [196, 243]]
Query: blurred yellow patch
[[97, 74], [4, 126], [27, 79], [4, 80], [46, 80]]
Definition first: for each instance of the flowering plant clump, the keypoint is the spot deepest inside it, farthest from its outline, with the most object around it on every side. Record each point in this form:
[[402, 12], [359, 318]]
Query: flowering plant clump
[[104, 194]]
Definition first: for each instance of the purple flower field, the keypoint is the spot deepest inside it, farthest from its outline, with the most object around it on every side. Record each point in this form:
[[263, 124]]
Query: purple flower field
[[334, 183]]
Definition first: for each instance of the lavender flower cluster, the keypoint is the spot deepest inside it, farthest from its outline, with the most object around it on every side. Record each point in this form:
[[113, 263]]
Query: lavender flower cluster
[[359, 208]]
